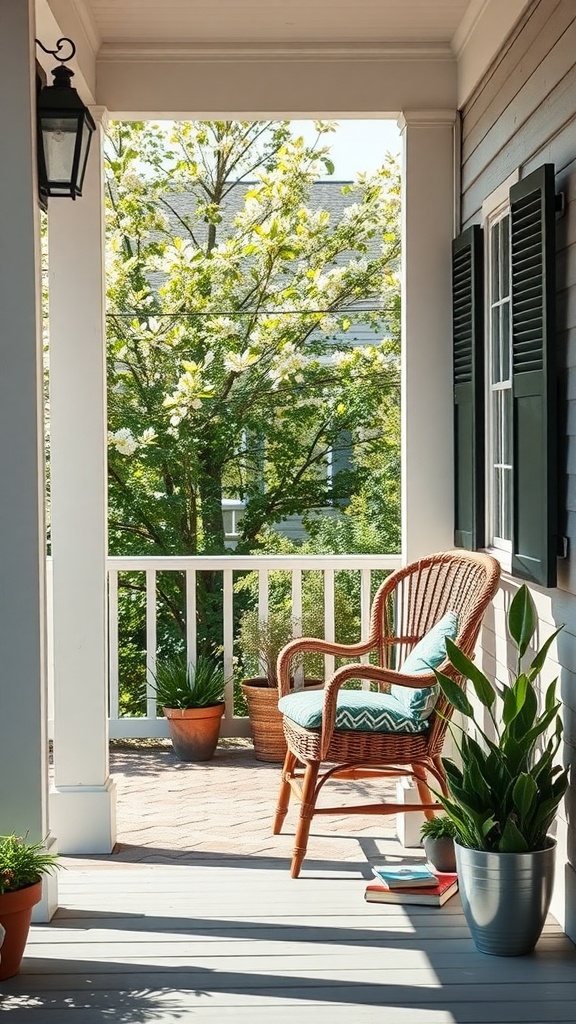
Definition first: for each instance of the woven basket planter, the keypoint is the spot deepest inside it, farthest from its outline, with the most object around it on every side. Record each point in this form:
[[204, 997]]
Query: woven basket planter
[[265, 719]]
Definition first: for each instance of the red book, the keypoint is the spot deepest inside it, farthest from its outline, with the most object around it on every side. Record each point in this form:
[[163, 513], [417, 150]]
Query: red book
[[433, 896]]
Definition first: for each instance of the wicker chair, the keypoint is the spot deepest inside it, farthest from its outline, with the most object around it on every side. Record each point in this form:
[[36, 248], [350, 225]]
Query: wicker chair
[[407, 605]]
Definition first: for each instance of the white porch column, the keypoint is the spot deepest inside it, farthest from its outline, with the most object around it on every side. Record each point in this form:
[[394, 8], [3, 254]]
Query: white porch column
[[82, 804], [428, 205], [23, 742]]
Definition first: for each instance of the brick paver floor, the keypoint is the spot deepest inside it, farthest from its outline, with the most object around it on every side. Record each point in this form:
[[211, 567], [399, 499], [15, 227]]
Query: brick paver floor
[[168, 809]]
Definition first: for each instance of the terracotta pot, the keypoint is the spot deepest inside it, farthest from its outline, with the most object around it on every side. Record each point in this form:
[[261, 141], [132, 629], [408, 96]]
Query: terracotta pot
[[194, 731], [15, 916], [265, 719]]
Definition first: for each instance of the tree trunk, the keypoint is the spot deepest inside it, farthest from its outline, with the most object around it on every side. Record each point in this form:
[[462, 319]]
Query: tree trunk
[[209, 587]]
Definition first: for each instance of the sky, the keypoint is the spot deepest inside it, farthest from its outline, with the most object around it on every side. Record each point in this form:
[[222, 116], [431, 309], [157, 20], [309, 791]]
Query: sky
[[356, 145]]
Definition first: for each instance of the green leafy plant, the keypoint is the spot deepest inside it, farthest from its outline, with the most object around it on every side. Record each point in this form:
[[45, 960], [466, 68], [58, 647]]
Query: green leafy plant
[[261, 640], [179, 684], [438, 828], [505, 796], [22, 863]]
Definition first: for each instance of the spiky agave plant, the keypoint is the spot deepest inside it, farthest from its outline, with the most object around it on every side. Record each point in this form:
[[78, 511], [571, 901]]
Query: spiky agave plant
[[181, 684]]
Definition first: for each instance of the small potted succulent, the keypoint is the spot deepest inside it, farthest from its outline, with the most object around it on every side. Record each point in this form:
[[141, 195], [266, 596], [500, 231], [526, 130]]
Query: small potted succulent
[[438, 839], [22, 866], [192, 698]]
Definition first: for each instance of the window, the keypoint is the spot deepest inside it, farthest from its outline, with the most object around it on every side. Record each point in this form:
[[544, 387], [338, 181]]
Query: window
[[499, 389], [504, 375]]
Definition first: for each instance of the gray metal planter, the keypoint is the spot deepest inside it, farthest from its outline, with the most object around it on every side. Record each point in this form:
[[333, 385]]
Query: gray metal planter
[[505, 897], [439, 851]]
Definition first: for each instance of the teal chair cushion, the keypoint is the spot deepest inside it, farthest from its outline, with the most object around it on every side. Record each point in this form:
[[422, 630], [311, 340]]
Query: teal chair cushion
[[358, 710], [429, 653]]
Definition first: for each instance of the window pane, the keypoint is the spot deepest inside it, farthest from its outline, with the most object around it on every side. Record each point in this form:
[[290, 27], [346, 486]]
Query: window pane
[[497, 427], [495, 328], [504, 257], [506, 504], [495, 269], [505, 340], [496, 517], [507, 431]]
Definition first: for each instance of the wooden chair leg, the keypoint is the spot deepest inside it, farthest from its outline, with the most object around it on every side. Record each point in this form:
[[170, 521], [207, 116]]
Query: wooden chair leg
[[423, 789], [284, 792], [438, 764], [306, 815]]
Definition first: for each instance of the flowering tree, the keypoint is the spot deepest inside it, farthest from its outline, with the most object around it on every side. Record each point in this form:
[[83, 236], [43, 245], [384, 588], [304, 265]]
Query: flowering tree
[[233, 303], [224, 302]]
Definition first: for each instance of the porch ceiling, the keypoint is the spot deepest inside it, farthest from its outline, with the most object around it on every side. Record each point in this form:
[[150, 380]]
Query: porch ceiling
[[225, 22], [197, 58], [331, 58]]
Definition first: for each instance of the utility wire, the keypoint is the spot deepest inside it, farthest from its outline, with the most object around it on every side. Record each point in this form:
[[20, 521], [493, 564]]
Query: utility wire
[[139, 314]]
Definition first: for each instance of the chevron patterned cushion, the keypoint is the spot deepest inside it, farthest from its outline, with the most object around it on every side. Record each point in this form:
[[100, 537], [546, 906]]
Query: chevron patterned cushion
[[428, 653], [358, 710]]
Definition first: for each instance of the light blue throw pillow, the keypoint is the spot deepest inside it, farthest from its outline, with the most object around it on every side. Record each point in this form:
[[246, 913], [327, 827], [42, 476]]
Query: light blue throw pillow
[[428, 653]]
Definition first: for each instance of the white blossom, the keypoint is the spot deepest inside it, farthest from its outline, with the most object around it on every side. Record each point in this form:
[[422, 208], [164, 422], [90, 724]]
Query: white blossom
[[237, 362], [289, 362], [123, 441], [189, 392], [351, 213]]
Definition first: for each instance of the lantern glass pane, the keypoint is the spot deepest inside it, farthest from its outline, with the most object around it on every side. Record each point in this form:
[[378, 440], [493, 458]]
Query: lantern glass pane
[[59, 138], [84, 147]]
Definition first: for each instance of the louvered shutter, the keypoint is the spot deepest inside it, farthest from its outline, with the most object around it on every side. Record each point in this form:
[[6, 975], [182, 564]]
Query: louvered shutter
[[533, 296], [468, 331]]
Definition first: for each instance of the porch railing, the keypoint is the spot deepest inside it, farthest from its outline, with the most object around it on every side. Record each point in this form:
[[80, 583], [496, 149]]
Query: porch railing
[[150, 725]]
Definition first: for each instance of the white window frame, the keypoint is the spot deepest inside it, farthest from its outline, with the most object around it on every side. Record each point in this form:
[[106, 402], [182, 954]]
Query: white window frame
[[495, 207]]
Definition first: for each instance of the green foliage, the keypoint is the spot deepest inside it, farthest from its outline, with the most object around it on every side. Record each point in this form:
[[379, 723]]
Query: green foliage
[[233, 367], [438, 828], [23, 863], [261, 640], [182, 685], [234, 370], [506, 794]]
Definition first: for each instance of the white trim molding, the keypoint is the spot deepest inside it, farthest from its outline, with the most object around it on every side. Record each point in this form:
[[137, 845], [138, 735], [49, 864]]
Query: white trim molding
[[426, 117], [481, 34]]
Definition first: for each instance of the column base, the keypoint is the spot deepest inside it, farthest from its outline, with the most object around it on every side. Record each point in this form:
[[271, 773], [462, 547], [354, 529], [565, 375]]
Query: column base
[[44, 911], [84, 818]]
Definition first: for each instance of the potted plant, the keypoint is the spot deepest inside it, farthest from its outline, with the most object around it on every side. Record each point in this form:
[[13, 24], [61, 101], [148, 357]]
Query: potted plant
[[438, 838], [192, 698], [260, 641], [22, 865], [504, 798]]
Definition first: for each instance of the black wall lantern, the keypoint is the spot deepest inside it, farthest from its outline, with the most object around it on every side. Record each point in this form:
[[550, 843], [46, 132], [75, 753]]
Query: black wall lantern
[[64, 128]]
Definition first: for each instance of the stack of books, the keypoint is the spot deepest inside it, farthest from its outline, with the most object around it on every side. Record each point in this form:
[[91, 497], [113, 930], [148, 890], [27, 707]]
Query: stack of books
[[411, 884]]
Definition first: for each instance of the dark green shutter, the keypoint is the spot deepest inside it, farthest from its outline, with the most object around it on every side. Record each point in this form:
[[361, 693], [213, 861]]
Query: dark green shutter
[[468, 332], [533, 297]]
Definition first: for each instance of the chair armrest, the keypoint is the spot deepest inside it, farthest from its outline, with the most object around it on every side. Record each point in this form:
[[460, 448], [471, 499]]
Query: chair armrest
[[361, 671], [311, 645]]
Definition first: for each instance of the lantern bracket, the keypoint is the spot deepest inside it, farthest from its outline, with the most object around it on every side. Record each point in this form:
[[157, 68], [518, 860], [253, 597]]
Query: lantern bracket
[[59, 44]]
